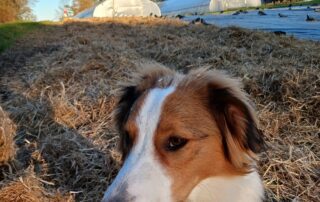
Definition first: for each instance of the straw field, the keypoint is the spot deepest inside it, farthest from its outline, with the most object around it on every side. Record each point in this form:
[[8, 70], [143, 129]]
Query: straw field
[[58, 88]]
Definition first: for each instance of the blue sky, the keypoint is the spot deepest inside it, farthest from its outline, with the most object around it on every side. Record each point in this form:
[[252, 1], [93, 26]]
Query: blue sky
[[47, 9]]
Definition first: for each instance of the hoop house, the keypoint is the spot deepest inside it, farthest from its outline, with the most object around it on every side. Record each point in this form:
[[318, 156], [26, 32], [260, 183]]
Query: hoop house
[[221, 5], [118, 8]]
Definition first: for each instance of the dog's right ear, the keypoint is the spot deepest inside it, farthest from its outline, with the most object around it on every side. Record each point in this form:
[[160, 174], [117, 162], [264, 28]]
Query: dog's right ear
[[128, 96]]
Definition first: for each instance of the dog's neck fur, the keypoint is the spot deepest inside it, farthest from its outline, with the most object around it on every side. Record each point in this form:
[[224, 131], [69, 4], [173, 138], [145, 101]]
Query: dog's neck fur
[[247, 188]]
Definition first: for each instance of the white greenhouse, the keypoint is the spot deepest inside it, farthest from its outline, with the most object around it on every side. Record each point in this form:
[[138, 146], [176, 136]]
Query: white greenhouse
[[221, 5], [118, 8], [121, 8], [174, 7]]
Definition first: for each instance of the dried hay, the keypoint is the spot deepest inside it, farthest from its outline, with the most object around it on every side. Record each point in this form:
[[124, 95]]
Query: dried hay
[[58, 85], [7, 132], [29, 189]]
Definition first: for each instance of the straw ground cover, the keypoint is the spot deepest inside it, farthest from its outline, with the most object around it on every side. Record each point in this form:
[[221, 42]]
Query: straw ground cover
[[7, 132], [58, 87]]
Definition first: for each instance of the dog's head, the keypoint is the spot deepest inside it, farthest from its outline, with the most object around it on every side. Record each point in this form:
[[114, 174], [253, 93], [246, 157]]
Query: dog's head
[[177, 130]]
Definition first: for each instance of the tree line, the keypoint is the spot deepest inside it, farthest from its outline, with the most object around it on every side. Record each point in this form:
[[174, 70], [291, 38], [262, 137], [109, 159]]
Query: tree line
[[12, 10]]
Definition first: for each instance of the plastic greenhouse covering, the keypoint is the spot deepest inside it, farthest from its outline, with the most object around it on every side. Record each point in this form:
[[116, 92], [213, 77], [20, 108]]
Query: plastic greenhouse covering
[[118, 8], [221, 5]]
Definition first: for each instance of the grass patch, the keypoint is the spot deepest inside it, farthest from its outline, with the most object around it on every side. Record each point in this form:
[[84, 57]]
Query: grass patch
[[286, 4], [270, 6], [10, 32]]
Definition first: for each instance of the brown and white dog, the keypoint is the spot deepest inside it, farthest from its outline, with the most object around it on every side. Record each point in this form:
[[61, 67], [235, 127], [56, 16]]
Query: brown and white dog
[[186, 138]]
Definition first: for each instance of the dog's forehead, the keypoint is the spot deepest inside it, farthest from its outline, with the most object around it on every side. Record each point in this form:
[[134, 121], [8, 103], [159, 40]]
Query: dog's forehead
[[185, 104], [148, 108], [187, 111], [179, 96], [170, 109]]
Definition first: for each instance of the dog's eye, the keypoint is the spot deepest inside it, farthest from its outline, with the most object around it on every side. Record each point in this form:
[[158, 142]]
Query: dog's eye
[[174, 143]]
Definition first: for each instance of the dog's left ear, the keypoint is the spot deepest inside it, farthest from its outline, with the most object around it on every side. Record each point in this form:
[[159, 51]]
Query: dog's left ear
[[237, 123], [140, 82], [127, 98]]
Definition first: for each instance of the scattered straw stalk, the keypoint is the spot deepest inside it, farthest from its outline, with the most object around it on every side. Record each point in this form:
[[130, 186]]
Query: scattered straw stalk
[[7, 132]]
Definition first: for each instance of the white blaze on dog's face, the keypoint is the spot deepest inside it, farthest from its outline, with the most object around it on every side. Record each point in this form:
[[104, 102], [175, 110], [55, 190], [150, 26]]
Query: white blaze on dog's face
[[142, 176], [177, 130]]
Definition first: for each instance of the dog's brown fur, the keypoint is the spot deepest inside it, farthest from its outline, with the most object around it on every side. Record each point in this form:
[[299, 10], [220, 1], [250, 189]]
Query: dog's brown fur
[[207, 108]]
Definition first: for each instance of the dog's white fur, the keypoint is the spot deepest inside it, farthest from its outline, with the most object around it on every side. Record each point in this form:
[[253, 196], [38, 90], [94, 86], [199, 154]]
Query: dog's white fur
[[145, 176], [246, 188]]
